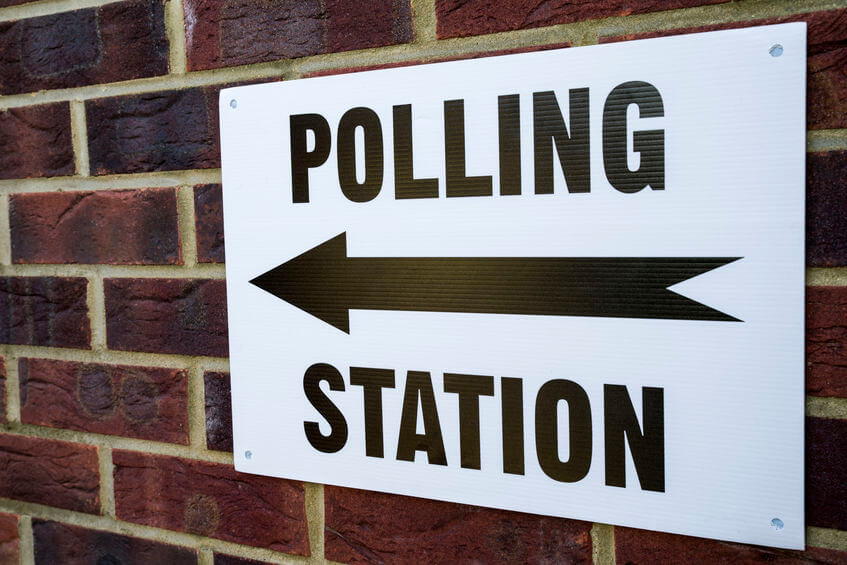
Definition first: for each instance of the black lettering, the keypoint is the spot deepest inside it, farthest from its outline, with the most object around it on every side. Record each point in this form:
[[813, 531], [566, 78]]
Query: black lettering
[[469, 388], [572, 148], [369, 122], [650, 143], [372, 382], [457, 183], [302, 159], [338, 425], [509, 122], [547, 430], [511, 390], [405, 183], [419, 385], [648, 448]]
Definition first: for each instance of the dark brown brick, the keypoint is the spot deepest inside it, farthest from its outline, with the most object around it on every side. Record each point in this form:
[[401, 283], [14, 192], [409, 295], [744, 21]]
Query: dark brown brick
[[141, 402], [158, 131], [221, 559], [51, 472], [223, 33], [10, 543], [49, 311], [123, 227], [72, 545], [2, 391], [826, 77], [461, 18], [210, 499], [826, 209], [7, 3], [209, 223], [184, 316], [89, 46], [826, 473], [826, 341], [371, 527], [218, 412], [35, 141], [642, 547]]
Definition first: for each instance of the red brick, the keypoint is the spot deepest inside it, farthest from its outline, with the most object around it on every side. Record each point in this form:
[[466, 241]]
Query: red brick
[[35, 141], [209, 223], [51, 472], [223, 33], [218, 411], [640, 546], [141, 402], [826, 209], [370, 527], [826, 78], [83, 47], [826, 341], [6, 3], [49, 311], [210, 499], [157, 131], [221, 559], [479, 55], [72, 545], [461, 18], [2, 391], [122, 227], [826, 473], [10, 545], [184, 316]]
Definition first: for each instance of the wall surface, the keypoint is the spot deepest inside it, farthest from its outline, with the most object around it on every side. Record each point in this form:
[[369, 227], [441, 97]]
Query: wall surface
[[116, 431]]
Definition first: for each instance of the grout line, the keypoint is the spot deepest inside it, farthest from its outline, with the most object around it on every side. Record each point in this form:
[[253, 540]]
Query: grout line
[[5, 242], [115, 357], [27, 546], [205, 557], [196, 409], [823, 407], [826, 277], [187, 234], [159, 535], [826, 538], [112, 182], [107, 481], [175, 29], [13, 390], [79, 137], [826, 140], [424, 21], [315, 520], [96, 312], [200, 270], [602, 544]]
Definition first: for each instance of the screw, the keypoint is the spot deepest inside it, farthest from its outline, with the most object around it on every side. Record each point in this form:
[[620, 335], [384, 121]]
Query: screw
[[775, 51], [234, 103], [777, 524], [248, 454]]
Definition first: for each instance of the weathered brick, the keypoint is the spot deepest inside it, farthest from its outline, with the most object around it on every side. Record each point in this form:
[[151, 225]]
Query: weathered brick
[[6, 3], [218, 411], [157, 131], [81, 47], [461, 18], [2, 391], [643, 547], [72, 545], [124, 227], [141, 402], [826, 77], [221, 559], [826, 473], [223, 33], [370, 527], [35, 141], [826, 209], [185, 316], [210, 499], [51, 472], [49, 311], [10, 550], [209, 223], [826, 341]]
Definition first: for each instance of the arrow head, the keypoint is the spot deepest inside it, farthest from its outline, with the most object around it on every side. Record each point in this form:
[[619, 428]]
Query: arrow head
[[314, 282]]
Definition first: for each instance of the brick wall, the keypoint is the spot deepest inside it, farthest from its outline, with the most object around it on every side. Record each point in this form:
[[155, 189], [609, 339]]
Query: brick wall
[[116, 429]]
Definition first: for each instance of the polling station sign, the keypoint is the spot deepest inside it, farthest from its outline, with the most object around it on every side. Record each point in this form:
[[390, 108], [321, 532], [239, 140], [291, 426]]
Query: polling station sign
[[566, 282]]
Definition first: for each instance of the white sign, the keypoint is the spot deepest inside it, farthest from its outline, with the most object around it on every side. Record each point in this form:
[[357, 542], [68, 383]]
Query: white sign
[[567, 282]]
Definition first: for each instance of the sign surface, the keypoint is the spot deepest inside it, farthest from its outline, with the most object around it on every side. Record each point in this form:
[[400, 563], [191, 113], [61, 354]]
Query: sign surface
[[567, 282]]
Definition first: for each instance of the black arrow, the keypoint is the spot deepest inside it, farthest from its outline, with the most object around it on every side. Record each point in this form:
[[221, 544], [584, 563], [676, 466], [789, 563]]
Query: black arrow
[[326, 283]]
